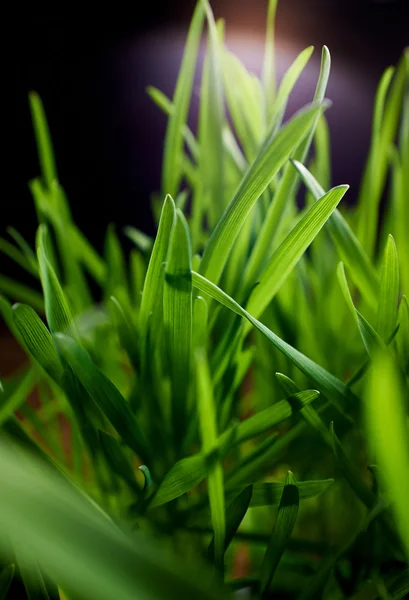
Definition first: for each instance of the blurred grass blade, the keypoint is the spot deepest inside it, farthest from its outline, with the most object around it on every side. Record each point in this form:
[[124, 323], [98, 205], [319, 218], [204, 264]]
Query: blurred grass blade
[[335, 388], [177, 317], [402, 337], [43, 140], [389, 291], [173, 145], [268, 75], [19, 395], [350, 250], [287, 515], [388, 436], [186, 474], [20, 292], [37, 339], [208, 431], [292, 248], [118, 460], [272, 156]]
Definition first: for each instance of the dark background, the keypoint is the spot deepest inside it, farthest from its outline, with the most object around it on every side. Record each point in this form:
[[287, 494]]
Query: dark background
[[92, 71]]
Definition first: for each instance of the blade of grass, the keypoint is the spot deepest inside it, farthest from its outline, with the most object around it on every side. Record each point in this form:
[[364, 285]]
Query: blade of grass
[[389, 291]]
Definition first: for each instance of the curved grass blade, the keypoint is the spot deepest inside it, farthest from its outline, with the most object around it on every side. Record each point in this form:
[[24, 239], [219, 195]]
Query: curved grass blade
[[350, 250], [402, 337], [20, 292], [173, 146], [332, 386], [286, 518], [118, 460], [270, 493], [37, 339], [43, 140], [272, 156], [291, 250], [19, 395]]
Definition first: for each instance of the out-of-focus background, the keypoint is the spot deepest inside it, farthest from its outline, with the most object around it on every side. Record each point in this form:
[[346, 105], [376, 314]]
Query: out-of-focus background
[[92, 69]]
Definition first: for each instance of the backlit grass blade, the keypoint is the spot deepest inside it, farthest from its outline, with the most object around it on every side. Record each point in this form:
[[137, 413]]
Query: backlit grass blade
[[177, 317], [350, 250], [59, 317], [329, 384], [43, 140], [286, 518], [20, 292], [104, 394], [389, 291], [17, 256], [235, 514], [152, 296], [273, 155], [37, 339], [69, 536], [186, 474], [268, 75], [87, 255], [173, 146], [288, 183], [208, 432], [388, 436], [142, 241], [370, 337], [292, 248]]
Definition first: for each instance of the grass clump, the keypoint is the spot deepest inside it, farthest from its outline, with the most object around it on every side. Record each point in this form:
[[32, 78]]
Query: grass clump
[[241, 387]]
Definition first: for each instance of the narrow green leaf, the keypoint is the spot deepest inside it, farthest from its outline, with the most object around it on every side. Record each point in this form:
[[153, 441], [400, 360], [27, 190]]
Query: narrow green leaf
[[286, 518], [173, 146], [118, 460], [332, 386], [389, 291], [186, 474], [208, 431], [43, 140], [350, 250], [139, 238], [272, 156], [20, 292], [37, 339], [177, 317], [268, 76], [19, 395], [235, 513], [270, 493], [388, 436], [104, 393], [402, 337], [291, 250]]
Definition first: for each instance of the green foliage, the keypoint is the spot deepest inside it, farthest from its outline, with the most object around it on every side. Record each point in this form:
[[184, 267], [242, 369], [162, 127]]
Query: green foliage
[[255, 337]]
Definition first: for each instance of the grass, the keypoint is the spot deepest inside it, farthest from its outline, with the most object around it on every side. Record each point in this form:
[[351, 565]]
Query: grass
[[239, 390]]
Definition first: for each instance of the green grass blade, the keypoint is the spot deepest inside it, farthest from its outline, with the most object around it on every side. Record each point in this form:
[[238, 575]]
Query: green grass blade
[[142, 241], [152, 295], [118, 460], [104, 394], [20, 292], [13, 402], [350, 250], [291, 250], [177, 317], [268, 75], [389, 291], [402, 337], [286, 518], [388, 436], [43, 140], [208, 431], [270, 493], [272, 157], [329, 384], [37, 339], [173, 146], [17, 256]]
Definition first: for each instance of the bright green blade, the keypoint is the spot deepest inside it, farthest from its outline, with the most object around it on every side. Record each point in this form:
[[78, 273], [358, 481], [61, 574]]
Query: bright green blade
[[291, 250], [208, 432], [20, 292], [286, 518], [177, 317], [402, 337], [272, 156], [268, 75], [37, 339], [329, 384], [388, 436], [173, 145], [350, 250], [389, 291]]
